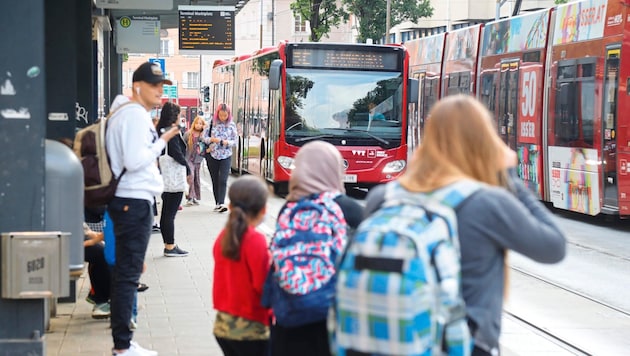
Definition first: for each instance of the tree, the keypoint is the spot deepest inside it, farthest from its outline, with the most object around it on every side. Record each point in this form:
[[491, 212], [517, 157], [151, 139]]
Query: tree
[[371, 14], [322, 15], [558, 2]]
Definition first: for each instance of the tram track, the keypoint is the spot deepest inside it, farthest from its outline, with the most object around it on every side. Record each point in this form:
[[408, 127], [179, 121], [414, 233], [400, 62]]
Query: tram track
[[563, 344], [577, 323]]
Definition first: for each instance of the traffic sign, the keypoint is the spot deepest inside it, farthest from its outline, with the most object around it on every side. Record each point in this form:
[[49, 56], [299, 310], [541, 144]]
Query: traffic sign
[[159, 61], [170, 91]]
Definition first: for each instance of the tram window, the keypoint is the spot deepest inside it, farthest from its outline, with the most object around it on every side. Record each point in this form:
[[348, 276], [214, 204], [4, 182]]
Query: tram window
[[566, 117], [453, 84], [587, 111], [588, 70], [566, 72], [488, 91], [464, 83], [575, 105], [531, 57]]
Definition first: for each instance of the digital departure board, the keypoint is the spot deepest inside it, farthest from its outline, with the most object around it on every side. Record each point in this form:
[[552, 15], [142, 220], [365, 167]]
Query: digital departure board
[[338, 58], [206, 28]]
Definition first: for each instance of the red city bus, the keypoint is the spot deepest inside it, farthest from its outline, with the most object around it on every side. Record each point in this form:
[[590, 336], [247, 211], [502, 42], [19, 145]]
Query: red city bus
[[511, 73], [352, 95], [425, 65]]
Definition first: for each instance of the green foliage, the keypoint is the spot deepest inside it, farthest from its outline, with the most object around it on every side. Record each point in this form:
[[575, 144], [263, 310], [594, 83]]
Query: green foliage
[[323, 15], [558, 2], [372, 14]]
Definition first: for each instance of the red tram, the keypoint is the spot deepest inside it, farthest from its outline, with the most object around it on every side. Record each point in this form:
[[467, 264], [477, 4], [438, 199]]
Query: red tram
[[554, 80]]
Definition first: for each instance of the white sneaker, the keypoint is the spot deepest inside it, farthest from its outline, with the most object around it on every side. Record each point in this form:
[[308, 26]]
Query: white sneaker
[[141, 350]]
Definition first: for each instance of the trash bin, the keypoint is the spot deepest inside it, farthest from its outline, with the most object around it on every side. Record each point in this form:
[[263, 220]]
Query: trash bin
[[64, 200]]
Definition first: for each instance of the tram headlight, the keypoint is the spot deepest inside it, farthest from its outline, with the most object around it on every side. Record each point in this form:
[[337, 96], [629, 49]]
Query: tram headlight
[[286, 162], [394, 166]]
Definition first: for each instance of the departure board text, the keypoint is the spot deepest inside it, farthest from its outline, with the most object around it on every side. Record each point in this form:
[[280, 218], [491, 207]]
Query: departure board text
[[206, 30]]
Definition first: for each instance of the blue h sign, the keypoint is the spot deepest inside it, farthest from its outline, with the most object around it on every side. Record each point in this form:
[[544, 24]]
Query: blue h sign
[[159, 61]]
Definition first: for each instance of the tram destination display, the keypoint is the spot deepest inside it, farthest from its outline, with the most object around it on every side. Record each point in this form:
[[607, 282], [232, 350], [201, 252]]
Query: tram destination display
[[206, 28]]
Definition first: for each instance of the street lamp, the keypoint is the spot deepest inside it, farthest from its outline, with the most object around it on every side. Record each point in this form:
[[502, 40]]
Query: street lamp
[[387, 20]]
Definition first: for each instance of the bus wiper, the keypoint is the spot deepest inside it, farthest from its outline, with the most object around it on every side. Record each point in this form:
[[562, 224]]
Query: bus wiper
[[311, 138], [379, 139]]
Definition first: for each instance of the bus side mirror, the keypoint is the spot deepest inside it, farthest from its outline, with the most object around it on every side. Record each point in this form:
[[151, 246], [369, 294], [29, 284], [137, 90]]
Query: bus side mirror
[[413, 90], [274, 74]]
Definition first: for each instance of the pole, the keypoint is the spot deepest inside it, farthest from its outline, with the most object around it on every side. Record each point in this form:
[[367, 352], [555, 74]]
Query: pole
[[273, 22], [261, 23], [387, 21]]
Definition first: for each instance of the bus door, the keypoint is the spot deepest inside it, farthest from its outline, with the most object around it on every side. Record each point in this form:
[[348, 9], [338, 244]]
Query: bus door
[[273, 129], [413, 126], [247, 163], [508, 102], [609, 121]]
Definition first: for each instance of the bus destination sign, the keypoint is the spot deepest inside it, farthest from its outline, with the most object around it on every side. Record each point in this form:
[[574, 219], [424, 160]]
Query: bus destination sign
[[344, 59], [206, 30]]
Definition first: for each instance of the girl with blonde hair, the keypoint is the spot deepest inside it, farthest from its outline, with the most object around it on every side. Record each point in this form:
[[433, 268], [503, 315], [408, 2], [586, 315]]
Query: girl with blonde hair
[[195, 150], [460, 142]]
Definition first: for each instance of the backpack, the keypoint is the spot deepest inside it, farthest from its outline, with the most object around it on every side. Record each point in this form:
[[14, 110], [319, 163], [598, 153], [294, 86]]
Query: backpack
[[398, 286], [99, 181], [309, 237]]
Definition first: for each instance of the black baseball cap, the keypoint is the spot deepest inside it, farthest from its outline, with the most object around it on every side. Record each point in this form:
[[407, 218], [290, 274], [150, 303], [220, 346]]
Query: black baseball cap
[[150, 73]]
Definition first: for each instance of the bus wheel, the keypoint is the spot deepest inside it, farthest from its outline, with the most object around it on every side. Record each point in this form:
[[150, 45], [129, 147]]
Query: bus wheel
[[281, 188]]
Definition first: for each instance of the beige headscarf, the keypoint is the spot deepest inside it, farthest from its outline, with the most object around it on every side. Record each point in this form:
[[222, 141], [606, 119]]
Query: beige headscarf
[[318, 169]]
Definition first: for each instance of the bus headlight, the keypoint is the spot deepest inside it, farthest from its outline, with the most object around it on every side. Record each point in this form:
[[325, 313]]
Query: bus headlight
[[394, 166], [286, 162]]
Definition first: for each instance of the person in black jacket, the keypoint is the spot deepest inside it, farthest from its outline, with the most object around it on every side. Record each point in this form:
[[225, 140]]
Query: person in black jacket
[[176, 148]]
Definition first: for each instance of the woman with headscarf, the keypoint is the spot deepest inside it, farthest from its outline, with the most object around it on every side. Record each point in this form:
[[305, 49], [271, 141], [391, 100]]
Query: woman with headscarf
[[318, 169]]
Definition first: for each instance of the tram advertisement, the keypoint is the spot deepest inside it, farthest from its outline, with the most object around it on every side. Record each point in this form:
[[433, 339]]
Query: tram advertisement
[[529, 118], [529, 167], [574, 179]]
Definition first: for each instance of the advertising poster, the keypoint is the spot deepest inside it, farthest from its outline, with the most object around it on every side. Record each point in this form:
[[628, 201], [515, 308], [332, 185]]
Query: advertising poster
[[580, 21], [517, 34], [574, 179]]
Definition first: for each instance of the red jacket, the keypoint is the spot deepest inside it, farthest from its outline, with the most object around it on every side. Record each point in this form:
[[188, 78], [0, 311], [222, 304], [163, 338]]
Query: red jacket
[[237, 285]]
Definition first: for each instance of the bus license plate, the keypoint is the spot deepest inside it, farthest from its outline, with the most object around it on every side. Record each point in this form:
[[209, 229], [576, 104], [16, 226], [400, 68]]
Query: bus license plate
[[350, 178]]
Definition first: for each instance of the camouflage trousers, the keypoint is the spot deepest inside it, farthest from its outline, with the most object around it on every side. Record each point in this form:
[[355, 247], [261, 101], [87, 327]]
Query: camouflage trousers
[[232, 327]]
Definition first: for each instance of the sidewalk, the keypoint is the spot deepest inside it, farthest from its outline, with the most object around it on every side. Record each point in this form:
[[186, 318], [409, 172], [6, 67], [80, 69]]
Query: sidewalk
[[176, 314]]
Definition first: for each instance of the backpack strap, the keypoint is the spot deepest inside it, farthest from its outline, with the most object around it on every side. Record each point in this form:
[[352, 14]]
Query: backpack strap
[[104, 132], [451, 195]]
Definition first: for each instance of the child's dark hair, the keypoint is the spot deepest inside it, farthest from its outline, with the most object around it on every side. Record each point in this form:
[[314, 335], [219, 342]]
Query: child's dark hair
[[248, 197]]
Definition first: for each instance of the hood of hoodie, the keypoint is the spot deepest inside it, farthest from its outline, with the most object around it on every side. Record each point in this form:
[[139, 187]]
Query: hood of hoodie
[[118, 101]]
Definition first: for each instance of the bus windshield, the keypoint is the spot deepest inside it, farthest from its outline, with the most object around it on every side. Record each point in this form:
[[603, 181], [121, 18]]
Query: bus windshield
[[333, 103]]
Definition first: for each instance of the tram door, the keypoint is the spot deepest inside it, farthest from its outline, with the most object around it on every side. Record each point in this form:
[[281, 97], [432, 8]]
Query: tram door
[[609, 118], [508, 102]]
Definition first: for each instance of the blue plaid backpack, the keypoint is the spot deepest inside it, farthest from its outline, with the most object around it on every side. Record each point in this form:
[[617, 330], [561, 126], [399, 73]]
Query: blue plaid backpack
[[309, 237], [398, 286]]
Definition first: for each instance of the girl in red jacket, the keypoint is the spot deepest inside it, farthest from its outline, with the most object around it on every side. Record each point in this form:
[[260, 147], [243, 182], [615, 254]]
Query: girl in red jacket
[[241, 263]]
